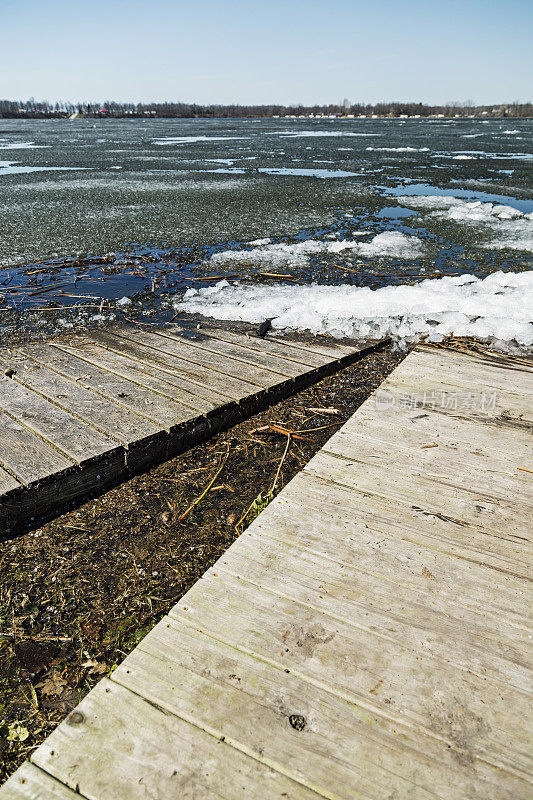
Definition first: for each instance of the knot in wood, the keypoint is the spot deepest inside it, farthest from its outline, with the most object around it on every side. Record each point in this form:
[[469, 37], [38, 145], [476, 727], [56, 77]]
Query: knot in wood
[[297, 722], [75, 718]]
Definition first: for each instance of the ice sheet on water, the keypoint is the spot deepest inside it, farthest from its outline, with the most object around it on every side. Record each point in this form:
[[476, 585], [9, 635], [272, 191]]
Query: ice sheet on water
[[389, 243], [400, 149], [496, 308], [305, 134], [192, 139], [22, 146], [303, 172], [14, 168], [512, 228]]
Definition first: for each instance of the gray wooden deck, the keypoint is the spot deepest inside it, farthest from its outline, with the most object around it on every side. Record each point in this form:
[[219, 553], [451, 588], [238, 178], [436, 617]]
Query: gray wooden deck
[[80, 413], [368, 636]]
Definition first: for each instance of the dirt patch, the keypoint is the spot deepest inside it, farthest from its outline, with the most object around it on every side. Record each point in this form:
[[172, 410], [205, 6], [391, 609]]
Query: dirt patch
[[77, 595]]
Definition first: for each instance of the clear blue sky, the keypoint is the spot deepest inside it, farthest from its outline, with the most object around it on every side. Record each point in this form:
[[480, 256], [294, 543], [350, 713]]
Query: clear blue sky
[[262, 51]]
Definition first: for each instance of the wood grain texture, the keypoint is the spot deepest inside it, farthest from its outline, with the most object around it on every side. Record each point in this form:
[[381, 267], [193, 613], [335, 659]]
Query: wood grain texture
[[235, 352], [368, 636], [267, 347], [123, 399], [70, 436], [94, 753], [31, 783]]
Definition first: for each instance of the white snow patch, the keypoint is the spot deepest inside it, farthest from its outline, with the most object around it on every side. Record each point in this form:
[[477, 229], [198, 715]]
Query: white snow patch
[[305, 134], [497, 308], [23, 146], [511, 228], [389, 243], [400, 149], [192, 139]]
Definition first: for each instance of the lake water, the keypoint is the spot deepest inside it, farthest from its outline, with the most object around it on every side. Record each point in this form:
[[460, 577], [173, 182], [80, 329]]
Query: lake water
[[177, 204]]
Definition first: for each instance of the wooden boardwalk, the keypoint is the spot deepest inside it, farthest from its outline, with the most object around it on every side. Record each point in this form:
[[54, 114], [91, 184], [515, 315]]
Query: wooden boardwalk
[[368, 636], [80, 413]]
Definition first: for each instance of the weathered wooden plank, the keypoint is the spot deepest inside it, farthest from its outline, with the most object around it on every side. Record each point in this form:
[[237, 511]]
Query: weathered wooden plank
[[382, 567], [483, 543], [498, 363], [343, 751], [391, 455], [428, 495], [500, 442], [381, 597], [231, 388], [94, 753], [70, 363], [492, 446], [31, 783], [331, 349], [472, 375], [109, 357], [107, 415], [489, 647], [67, 434], [27, 456], [266, 347], [447, 396], [56, 491], [219, 363], [305, 630], [235, 352], [7, 481]]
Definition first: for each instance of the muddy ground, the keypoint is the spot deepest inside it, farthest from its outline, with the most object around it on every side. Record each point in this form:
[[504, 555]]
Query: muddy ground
[[79, 593]]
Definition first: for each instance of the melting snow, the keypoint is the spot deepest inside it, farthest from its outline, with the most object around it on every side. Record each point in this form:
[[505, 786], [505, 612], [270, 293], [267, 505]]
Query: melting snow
[[513, 228], [389, 243], [496, 308]]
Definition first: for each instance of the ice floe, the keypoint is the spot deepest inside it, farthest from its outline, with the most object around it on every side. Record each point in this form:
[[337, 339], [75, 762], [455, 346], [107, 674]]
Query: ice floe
[[22, 146], [14, 168], [400, 149], [305, 134], [192, 139], [496, 308], [388, 243], [512, 228]]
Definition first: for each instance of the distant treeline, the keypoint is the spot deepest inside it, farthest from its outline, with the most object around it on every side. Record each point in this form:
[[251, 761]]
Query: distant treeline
[[34, 108]]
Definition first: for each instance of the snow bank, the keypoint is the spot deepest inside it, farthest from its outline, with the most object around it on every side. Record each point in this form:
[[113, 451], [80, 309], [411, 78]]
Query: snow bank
[[512, 228], [389, 243], [497, 308]]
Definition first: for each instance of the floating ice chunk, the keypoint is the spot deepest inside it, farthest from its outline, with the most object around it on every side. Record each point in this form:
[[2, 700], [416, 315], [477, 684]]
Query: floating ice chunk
[[305, 134], [508, 227], [124, 301], [260, 242], [496, 308], [389, 243], [192, 139], [23, 146], [400, 149], [463, 158]]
